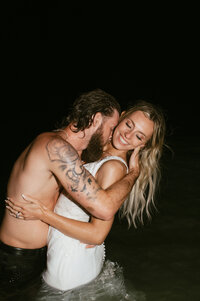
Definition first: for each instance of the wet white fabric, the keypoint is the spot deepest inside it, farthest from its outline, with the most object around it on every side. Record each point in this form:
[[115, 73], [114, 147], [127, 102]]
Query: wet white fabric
[[108, 285], [69, 263]]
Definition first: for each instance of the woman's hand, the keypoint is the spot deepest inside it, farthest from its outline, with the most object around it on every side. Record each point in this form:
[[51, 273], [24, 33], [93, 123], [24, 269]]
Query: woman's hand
[[134, 160], [87, 246], [29, 209]]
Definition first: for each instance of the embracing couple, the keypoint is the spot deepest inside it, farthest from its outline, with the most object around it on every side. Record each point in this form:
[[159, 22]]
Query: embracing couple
[[67, 185]]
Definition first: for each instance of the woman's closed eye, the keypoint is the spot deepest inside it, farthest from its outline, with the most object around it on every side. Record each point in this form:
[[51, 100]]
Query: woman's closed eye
[[128, 124], [140, 138]]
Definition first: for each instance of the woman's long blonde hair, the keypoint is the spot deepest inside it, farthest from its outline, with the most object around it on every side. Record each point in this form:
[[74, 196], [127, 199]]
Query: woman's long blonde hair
[[143, 192]]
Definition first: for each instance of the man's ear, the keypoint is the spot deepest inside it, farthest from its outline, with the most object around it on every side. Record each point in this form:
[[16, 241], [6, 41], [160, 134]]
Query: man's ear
[[97, 120], [122, 113]]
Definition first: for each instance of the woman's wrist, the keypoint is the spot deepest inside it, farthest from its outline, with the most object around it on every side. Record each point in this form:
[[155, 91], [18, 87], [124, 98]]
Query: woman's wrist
[[45, 212]]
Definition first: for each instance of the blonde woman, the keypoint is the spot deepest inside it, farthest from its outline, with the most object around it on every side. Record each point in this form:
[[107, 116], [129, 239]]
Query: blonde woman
[[69, 263]]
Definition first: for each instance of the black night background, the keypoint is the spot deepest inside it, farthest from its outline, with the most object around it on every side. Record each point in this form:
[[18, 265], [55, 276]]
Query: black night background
[[41, 81]]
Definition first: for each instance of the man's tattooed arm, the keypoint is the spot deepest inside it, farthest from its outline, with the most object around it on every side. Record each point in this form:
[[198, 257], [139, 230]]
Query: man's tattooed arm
[[74, 176], [82, 186], [66, 165]]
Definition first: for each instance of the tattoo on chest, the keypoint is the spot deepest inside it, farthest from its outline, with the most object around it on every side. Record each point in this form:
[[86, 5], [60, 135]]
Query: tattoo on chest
[[69, 162]]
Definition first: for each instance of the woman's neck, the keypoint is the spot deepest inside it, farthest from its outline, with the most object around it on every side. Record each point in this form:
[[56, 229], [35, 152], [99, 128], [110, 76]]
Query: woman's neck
[[109, 150]]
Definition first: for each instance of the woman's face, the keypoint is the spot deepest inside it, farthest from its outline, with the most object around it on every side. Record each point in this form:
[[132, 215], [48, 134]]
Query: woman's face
[[135, 130]]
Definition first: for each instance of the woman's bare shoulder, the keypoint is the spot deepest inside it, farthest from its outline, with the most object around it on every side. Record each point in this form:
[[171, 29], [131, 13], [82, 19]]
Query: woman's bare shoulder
[[114, 169]]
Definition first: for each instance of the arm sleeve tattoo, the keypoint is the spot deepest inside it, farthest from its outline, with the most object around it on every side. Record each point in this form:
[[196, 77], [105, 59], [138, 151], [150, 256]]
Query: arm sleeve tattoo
[[77, 178]]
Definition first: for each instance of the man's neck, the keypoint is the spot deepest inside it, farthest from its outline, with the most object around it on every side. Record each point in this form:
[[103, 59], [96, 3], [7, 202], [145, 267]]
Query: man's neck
[[76, 139]]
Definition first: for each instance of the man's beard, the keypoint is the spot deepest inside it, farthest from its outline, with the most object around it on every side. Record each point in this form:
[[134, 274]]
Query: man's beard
[[94, 150]]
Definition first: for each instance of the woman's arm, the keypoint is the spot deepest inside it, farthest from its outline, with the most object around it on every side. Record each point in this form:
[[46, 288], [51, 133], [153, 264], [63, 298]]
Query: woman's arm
[[93, 232]]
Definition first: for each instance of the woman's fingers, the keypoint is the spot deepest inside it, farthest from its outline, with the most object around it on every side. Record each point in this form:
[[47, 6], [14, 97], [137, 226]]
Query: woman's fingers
[[20, 209], [134, 159], [16, 216], [14, 202], [90, 246], [137, 149], [28, 198], [28, 208], [15, 212], [12, 206]]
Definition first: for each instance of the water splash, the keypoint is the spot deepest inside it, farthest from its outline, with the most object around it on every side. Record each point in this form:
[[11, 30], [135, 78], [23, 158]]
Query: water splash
[[108, 286]]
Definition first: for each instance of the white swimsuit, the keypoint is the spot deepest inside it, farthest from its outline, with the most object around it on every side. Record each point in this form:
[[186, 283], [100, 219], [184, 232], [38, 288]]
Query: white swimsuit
[[69, 263]]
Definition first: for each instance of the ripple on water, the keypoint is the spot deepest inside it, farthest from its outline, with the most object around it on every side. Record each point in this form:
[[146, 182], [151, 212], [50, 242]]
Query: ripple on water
[[109, 285]]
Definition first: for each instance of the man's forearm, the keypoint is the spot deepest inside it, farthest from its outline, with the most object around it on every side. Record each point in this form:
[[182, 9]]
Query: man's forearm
[[82, 186]]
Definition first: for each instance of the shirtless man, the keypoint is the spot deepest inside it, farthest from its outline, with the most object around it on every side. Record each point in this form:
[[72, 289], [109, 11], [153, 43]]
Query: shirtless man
[[50, 162]]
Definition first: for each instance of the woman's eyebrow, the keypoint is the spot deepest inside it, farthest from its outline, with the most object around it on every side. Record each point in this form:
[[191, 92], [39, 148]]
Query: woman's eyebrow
[[138, 130]]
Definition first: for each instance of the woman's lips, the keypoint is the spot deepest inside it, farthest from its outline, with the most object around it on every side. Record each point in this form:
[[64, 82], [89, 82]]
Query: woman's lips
[[122, 140]]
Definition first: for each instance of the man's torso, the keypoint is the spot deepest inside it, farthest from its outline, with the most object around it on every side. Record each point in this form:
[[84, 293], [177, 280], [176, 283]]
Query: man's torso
[[31, 175]]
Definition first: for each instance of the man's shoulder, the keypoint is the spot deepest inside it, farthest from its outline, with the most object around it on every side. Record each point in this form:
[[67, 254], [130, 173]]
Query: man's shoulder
[[44, 138], [40, 142], [53, 142], [51, 146]]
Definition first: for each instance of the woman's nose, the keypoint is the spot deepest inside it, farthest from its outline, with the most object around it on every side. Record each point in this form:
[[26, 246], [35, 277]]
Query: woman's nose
[[128, 133]]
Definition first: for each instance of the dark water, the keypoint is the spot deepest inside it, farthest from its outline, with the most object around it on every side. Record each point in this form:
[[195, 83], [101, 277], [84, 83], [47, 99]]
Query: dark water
[[160, 261]]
